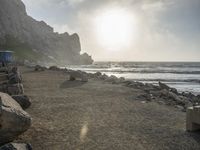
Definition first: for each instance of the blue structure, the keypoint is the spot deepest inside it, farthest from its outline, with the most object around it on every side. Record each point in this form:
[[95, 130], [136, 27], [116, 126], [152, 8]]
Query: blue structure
[[6, 56]]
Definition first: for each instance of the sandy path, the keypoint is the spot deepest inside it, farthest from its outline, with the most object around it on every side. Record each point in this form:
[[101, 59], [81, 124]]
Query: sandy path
[[99, 116]]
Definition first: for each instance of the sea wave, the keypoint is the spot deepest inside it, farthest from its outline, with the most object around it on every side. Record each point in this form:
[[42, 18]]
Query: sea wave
[[114, 70], [170, 80]]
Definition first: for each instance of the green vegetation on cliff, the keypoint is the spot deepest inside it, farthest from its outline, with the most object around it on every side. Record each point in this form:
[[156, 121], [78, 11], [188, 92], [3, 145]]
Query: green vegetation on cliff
[[22, 51]]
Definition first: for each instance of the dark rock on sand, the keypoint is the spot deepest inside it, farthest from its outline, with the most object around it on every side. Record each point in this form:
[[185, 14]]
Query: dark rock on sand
[[150, 87], [73, 75], [39, 68], [72, 78], [16, 146], [103, 77], [165, 86], [91, 75], [12, 89], [3, 88], [22, 100], [13, 119], [14, 78], [135, 84], [15, 89], [112, 79], [14, 69], [54, 68], [145, 96], [122, 79], [174, 99], [97, 74]]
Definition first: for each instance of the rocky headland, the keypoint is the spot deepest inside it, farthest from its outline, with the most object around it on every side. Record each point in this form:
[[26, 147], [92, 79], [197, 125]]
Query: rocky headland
[[34, 41]]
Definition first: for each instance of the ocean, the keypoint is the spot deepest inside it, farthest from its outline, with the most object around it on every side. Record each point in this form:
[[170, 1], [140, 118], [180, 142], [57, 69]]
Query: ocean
[[184, 76]]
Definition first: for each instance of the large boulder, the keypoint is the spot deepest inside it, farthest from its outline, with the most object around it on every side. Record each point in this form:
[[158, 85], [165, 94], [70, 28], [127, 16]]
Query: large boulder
[[16, 146], [13, 119], [22, 100], [40, 68], [73, 75]]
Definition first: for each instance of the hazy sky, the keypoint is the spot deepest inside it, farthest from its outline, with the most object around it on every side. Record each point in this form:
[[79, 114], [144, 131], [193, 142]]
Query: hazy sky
[[130, 30]]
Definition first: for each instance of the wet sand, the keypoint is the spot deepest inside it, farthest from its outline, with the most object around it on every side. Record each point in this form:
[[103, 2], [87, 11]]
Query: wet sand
[[99, 116]]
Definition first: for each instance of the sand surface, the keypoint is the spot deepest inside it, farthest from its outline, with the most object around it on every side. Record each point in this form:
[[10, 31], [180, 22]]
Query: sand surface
[[99, 116]]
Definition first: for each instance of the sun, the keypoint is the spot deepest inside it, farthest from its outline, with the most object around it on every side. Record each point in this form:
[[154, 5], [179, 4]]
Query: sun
[[115, 29]]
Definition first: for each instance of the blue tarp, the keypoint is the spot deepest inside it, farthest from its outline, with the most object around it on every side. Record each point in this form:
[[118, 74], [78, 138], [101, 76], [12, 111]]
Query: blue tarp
[[6, 56]]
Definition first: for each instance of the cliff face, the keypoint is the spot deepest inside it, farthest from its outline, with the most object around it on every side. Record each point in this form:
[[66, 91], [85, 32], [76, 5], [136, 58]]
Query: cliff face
[[18, 29]]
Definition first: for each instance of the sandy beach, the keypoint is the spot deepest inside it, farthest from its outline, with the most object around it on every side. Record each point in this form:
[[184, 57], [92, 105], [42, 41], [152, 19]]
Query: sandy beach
[[96, 115]]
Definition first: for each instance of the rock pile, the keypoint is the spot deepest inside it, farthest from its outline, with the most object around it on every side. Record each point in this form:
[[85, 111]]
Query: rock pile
[[162, 93], [13, 119], [16, 146]]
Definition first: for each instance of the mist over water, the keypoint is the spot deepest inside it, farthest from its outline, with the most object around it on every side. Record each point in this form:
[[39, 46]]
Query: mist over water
[[185, 76]]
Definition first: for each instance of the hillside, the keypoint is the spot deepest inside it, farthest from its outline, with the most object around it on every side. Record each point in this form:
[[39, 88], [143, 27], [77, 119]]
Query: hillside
[[34, 40]]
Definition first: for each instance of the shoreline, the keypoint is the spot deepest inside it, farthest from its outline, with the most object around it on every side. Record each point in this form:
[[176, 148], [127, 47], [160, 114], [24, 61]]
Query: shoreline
[[152, 91], [177, 75]]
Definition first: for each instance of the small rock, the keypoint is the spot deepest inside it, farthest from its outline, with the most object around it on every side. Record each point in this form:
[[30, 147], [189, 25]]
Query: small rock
[[23, 100], [15, 89], [39, 68], [54, 68], [121, 79], [97, 74], [78, 75], [180, 107], [72, 78], [16, 146], [112, 79], [163, 86], [3, 88], [14, 70], [103, 77], [14, 78]]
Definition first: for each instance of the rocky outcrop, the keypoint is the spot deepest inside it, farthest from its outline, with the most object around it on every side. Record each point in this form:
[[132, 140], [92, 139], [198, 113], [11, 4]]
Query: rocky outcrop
[[13, 119], [35, 40], [16, 146]]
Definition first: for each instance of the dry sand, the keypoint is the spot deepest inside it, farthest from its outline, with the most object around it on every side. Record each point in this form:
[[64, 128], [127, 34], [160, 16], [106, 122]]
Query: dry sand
[[99, 116]]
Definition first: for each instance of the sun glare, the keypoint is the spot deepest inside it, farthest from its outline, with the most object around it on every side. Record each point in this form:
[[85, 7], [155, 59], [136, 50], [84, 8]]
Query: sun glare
[[115, 29]]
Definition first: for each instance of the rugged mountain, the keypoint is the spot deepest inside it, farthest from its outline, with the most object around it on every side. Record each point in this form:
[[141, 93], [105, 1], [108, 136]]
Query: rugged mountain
[[35, 40]]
